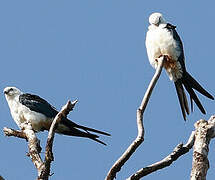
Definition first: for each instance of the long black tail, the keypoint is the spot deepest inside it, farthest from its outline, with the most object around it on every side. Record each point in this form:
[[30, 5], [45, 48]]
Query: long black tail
[[74, 130], [190, 83], [92, 130]]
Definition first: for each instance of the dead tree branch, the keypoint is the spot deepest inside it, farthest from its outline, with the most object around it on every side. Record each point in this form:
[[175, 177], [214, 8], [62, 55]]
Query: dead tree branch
[[205, 131], [140, 137], [45, 172], [179, 150], [199, 140], [43, 168], [15, 133]]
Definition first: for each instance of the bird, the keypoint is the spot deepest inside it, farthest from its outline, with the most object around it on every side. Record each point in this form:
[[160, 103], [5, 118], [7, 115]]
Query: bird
[[26, 107], [162, 39]]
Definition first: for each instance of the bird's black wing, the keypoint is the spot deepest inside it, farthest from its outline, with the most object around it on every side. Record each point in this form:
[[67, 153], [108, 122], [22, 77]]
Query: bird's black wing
[[37, 104], [180, 48]]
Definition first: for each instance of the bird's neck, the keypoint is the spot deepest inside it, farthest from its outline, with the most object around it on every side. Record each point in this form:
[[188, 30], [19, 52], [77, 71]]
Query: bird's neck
[[12, 101]]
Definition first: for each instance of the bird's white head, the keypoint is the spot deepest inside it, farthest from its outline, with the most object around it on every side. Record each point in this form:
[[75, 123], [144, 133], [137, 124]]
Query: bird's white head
[[156, 19], [11, 92]]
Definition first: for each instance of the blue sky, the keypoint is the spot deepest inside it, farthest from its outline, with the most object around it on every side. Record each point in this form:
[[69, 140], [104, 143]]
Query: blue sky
[[95, 51]]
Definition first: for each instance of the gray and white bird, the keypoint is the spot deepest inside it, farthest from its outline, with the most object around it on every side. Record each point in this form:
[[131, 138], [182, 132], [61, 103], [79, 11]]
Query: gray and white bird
[[163, 40], [26, 107]]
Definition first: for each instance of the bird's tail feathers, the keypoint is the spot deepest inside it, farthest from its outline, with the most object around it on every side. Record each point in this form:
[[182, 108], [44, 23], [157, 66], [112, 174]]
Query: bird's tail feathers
[[190, 83], [76, 130], [182, 98], [78, 133], [188, 79], [87, 129], [68, 123], [194, 97]]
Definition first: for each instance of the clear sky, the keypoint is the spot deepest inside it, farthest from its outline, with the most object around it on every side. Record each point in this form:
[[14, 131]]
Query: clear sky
[[95, 51]]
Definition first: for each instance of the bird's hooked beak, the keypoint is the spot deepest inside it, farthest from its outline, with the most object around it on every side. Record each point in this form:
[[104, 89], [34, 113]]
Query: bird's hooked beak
[[6, 92]]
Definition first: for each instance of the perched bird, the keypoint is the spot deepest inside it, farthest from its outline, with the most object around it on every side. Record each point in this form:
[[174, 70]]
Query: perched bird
[[163, 40], [32, 108]]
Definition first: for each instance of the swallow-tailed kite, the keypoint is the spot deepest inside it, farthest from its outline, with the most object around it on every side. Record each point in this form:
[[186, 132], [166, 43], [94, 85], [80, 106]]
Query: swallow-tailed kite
[[32, 108], [163, 40]]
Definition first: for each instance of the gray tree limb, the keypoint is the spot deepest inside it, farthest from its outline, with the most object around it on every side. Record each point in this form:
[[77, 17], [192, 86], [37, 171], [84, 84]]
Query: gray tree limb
[[199, 140], [205, 131], [179, 150], [45, 171], [13, 132], [140, 136]]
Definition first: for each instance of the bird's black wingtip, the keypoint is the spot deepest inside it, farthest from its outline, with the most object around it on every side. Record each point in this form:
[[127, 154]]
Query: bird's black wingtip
[[103, 143], [99, 141], [212, 97], [107, 134]]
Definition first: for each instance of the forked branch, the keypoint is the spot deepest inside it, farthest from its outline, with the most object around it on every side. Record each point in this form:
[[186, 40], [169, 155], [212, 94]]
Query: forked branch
[[179, 150]]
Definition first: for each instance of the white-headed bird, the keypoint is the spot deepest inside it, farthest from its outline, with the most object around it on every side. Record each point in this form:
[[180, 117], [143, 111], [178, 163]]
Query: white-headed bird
[[163, 40], [31, 108]]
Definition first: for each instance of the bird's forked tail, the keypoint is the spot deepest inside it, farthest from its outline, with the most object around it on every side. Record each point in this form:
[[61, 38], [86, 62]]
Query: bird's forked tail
[[190, 83]]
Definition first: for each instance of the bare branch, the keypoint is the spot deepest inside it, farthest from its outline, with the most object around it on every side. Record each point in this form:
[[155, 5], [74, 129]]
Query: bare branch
[[152, 83], [140, 137], [199, 139], [205, 131], [33, 145], [13, 132], [179, 150], [45, 172], [63, 113]]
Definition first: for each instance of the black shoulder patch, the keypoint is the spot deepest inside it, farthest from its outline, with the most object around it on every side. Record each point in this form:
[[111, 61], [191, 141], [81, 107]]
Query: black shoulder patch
[[37, 104], [170, 26], [177, 38]]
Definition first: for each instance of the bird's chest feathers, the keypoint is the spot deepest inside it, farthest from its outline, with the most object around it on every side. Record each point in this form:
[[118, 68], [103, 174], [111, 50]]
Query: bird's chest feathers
[[22, 114], [160, 42]]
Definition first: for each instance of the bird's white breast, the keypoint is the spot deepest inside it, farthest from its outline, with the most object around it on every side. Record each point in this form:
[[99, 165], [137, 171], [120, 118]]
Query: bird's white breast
[[160, 41], [21, 114]]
